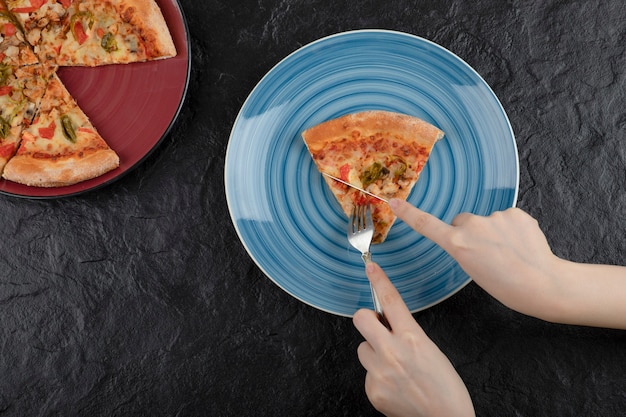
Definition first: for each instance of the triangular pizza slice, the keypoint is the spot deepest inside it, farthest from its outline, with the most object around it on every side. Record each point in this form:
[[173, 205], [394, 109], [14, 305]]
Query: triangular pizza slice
[[379, 151], [22, 84], [21, 91], [94, 32], [14, 50], [61, 147]]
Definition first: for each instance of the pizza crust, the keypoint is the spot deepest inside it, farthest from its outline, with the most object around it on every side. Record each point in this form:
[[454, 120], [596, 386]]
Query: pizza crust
[[62, 171], [369, 123], [146, 15]]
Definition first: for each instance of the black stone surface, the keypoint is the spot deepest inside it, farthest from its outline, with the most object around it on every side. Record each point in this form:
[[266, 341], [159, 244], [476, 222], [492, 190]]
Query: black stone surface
[[138, 299]]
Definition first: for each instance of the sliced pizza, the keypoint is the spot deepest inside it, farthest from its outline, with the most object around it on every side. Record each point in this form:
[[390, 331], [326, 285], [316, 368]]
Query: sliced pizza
[[14, 50], [94, 32], [61, 146], [21, 84], [379, 151], [45, 138], [21, 91]]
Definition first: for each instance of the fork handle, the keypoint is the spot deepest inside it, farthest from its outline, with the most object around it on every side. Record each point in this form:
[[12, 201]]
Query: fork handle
[[378, 308]]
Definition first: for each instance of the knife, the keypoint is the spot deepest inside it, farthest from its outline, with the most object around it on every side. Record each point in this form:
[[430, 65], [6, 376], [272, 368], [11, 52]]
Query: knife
[[355, 187]]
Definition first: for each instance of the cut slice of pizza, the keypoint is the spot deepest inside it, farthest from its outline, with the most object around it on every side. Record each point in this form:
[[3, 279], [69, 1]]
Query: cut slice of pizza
[[379, 151], [22, 84], [21, 90], [94, 32], [14, 50], [61, 147]]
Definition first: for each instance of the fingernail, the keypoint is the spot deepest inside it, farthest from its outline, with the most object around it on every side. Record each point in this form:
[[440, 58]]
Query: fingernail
[[369, 267], [394, 203]]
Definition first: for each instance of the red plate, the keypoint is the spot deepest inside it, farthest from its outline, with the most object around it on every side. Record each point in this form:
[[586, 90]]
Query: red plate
[[133, 106]]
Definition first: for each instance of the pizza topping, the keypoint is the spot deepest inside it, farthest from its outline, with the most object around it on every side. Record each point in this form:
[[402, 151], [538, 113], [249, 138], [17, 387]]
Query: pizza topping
[[34, 6], [6, 15], [5, 90], [5, 127], [29, 113], [5, 73], [400, 167], [344, 171], [68, 128], [9, 29], [108, 42], [79, 33], [6, 150], [47, 132], [77, 28], [372, 174]]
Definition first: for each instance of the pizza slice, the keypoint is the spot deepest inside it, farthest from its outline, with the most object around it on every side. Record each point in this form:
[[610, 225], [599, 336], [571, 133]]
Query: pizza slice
[[378, 151], [22, 83], [12, 108], [61, 147], [21, 90], [14, 50], [94, 32]]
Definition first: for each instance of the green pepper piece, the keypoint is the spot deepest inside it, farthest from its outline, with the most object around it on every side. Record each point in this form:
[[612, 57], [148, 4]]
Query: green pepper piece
[[371, 174], [68, 128], [5, 127], [5, 73], [8, 16], [108, 42], [401, 169]]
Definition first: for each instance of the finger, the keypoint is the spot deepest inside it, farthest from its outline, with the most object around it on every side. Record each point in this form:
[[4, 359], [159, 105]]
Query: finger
[[366, 355], [420, 221], [367, 323], [395, 310]]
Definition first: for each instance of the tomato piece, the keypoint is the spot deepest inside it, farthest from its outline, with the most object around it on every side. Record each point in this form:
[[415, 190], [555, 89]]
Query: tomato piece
[[79, 31], [344, 171], [34, 6], [6, 150], [359, 199], [24, 10], [9, 29], [47, 132], [65, 3], [5, 90]]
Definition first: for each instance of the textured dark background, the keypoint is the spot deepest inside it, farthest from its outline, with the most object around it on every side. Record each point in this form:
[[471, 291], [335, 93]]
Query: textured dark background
[[138, 298]]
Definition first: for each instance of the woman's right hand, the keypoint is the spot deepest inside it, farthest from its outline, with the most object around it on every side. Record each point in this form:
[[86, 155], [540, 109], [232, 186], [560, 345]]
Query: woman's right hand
[[508, 255], [505, 253]]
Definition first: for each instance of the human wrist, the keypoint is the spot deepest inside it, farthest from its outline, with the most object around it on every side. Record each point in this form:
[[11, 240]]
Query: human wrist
[[537, 289], [557, 296]]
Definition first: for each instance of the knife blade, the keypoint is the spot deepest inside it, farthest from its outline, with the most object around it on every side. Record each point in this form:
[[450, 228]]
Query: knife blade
[[355, 187]]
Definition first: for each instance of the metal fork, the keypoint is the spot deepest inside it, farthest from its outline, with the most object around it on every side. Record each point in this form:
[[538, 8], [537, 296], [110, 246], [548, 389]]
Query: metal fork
[[360, 234]]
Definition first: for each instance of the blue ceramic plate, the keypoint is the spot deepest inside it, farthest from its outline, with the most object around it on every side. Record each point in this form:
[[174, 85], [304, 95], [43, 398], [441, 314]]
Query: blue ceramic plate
[[287, 218]]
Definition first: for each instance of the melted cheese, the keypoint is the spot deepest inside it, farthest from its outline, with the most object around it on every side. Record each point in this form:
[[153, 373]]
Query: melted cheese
[[401, 167]]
